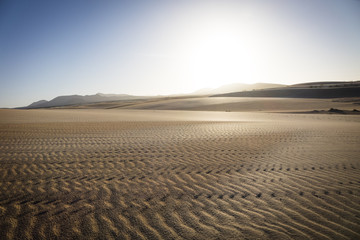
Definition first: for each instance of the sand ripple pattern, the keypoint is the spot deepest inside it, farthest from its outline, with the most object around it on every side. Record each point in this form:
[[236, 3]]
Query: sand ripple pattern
[[180, 180]]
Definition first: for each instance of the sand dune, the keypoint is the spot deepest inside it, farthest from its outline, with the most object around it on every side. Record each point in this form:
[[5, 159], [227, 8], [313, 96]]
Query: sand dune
[[229, 104], [135, 174]]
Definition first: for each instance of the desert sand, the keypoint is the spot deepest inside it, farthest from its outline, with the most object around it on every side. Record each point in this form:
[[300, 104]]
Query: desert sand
[[229, 104], [158, 174]]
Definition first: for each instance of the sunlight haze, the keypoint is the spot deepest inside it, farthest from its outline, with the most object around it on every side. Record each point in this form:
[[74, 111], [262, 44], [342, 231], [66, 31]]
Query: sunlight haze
[[166, 47]]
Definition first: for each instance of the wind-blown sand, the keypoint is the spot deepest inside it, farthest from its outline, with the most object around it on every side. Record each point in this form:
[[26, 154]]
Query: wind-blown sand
[[137, 174]]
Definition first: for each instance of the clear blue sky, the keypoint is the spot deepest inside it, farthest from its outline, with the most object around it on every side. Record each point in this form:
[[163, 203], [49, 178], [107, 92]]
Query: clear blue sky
[[51, 48]]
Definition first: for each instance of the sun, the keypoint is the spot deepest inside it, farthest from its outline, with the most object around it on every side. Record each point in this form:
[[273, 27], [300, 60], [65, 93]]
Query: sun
[[218, 56]]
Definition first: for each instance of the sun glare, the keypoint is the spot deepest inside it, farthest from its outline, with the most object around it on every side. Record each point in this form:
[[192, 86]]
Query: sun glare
[[219, 58], [216, 55]]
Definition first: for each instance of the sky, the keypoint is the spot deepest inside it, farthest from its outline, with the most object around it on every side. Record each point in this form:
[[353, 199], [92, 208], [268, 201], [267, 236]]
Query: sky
[[52, 48]]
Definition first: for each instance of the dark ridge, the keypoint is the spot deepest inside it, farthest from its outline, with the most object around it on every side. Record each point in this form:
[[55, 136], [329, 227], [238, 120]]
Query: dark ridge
[[72, 100], [338, 92]]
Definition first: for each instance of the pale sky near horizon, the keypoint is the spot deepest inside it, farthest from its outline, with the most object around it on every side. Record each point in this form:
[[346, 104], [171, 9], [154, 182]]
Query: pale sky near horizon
[[52, 48]]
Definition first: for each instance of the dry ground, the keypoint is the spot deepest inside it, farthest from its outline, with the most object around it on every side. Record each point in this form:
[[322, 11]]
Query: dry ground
[[137, 174]]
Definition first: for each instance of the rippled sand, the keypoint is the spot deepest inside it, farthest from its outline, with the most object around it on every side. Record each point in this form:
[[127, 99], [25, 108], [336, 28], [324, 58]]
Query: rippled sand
[[136, 174]]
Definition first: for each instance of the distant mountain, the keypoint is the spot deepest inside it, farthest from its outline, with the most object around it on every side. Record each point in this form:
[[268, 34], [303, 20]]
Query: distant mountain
[[237, 87], [38, 103], [71, 100], [78, 100], [304, 90]]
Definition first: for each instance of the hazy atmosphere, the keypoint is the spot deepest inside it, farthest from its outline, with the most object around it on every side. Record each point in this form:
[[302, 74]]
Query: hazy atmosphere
[[50, 48]]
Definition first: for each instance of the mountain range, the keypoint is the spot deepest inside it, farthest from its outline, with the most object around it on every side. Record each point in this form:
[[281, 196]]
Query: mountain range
[[303, 90], [78, 99], [100, 97]]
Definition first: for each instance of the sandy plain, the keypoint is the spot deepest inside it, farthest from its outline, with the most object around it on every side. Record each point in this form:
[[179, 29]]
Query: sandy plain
[[158, 174]]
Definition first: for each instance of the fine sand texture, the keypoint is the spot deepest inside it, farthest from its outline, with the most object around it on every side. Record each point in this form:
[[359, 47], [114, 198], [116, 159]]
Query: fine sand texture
[[144, 174]]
